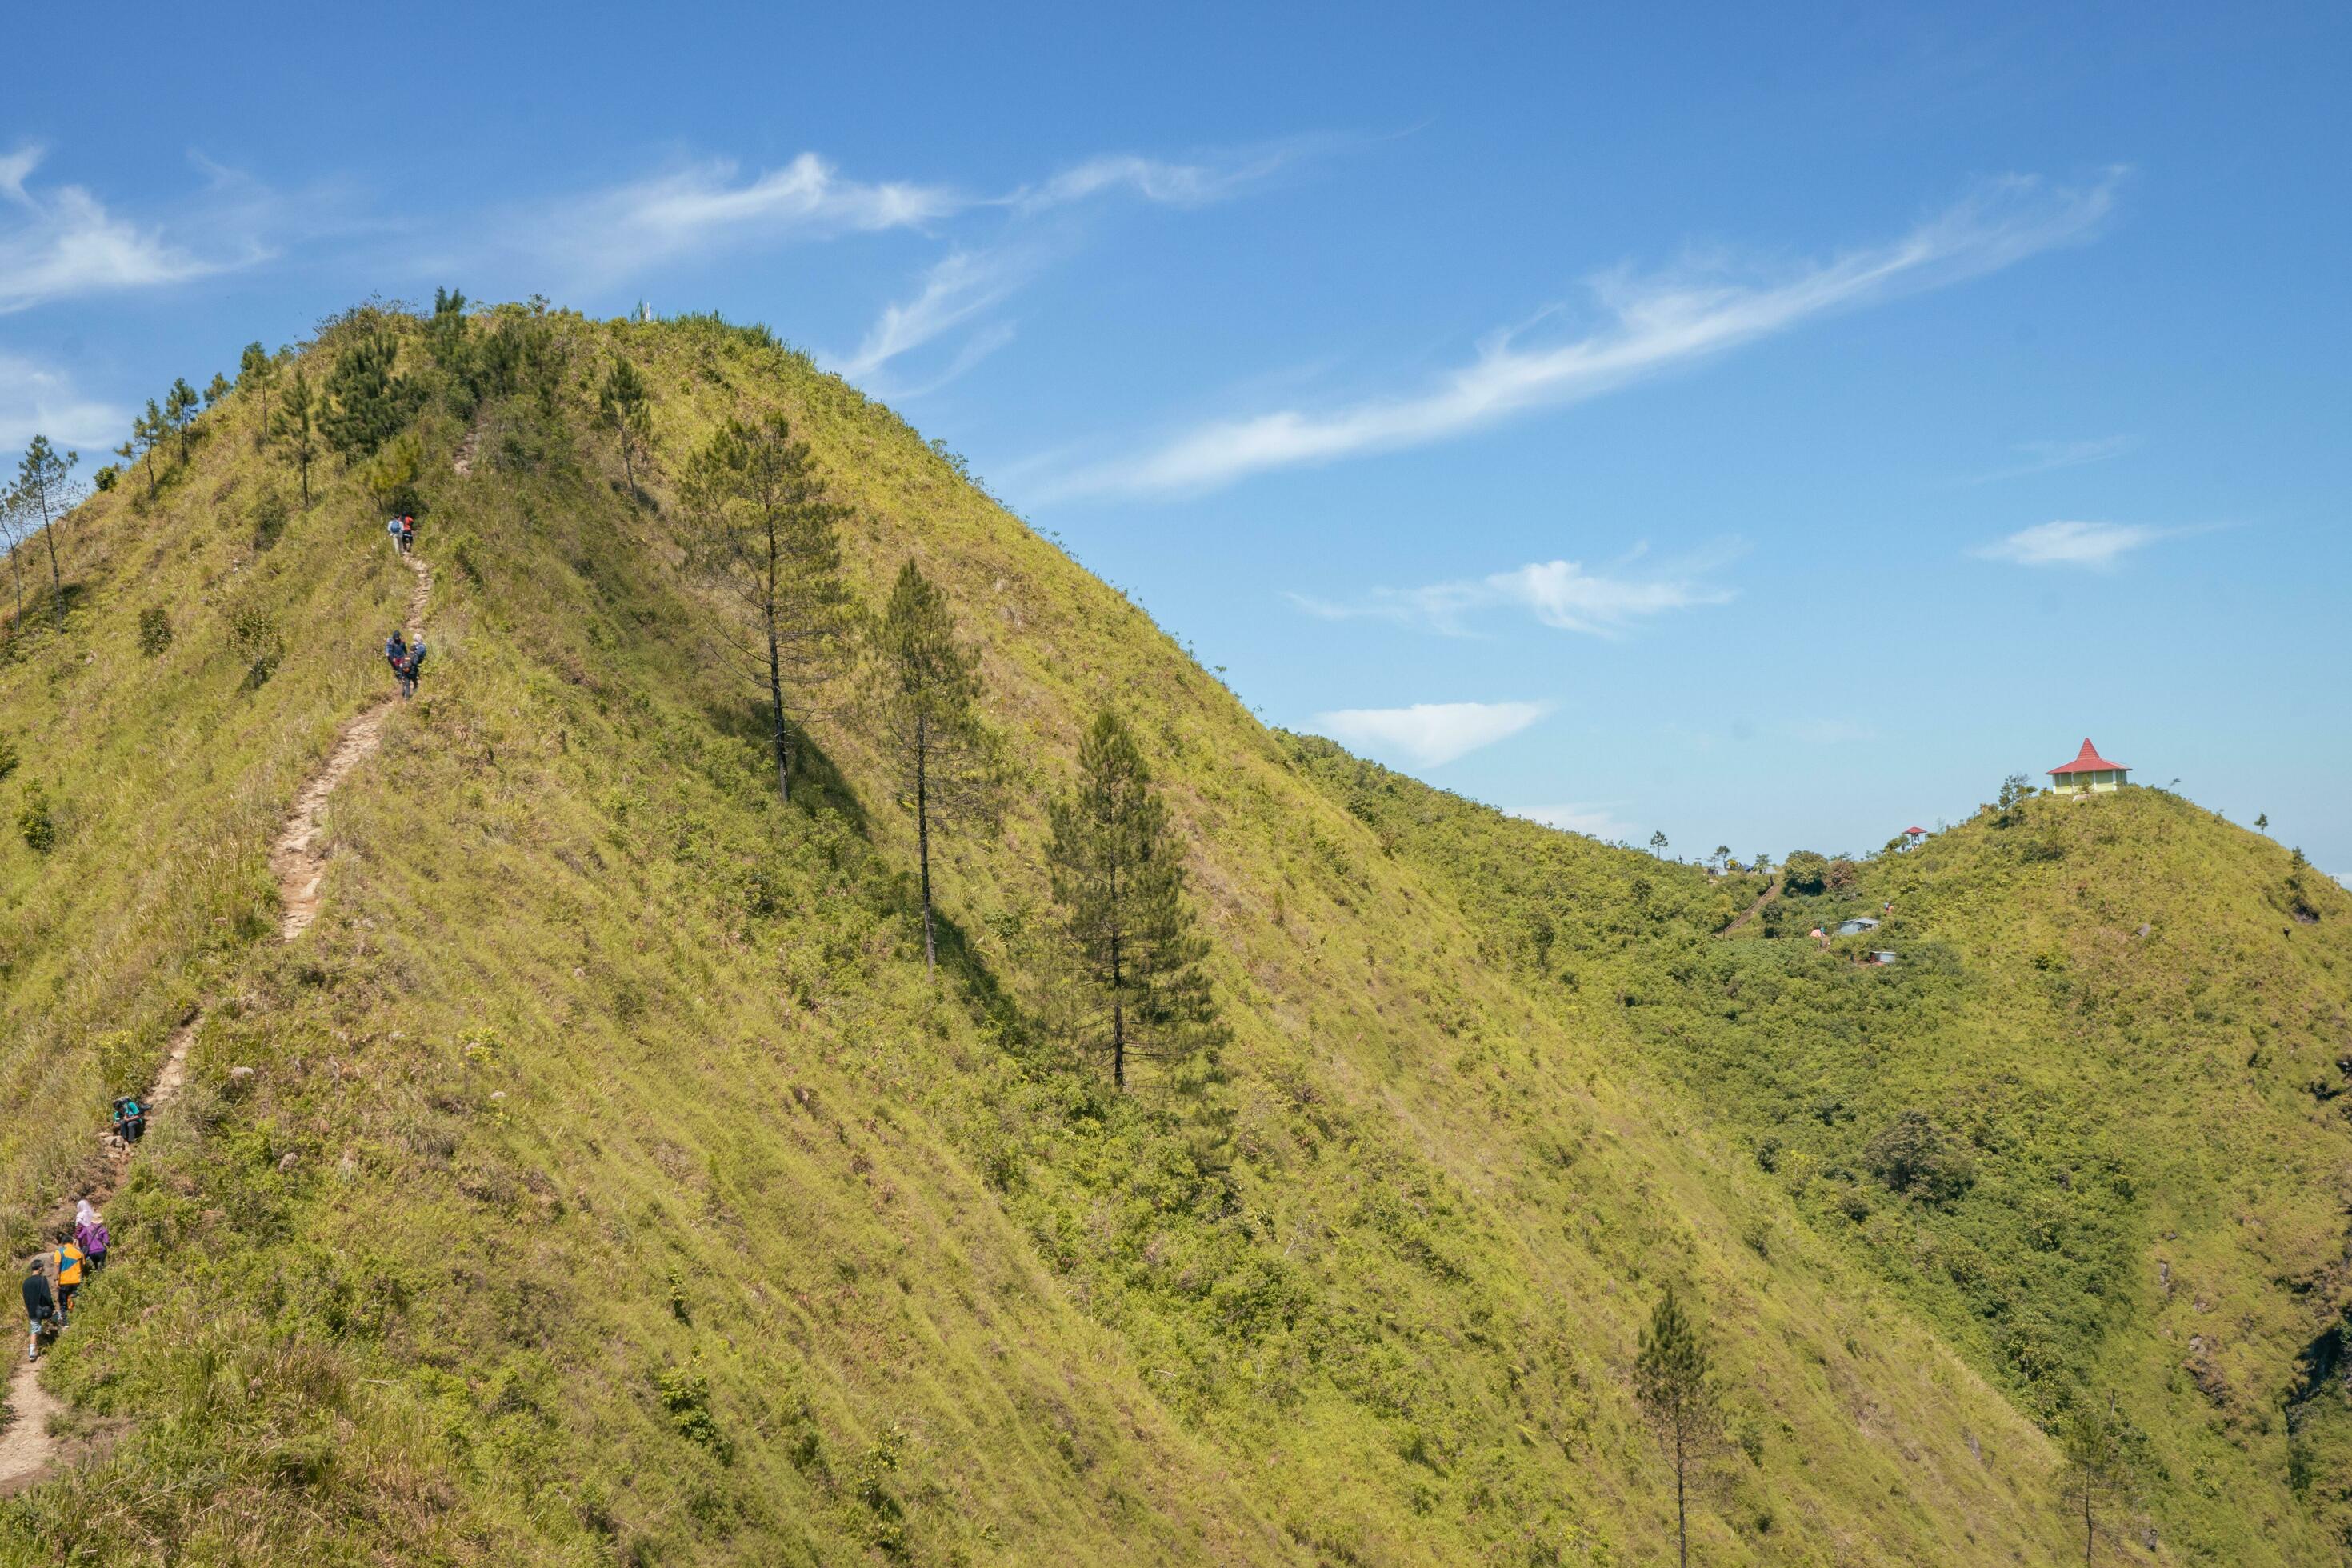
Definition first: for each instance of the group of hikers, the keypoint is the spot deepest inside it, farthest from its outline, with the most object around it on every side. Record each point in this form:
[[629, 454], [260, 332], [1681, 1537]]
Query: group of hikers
[[407, 658], [407, 661], [55, 1277]]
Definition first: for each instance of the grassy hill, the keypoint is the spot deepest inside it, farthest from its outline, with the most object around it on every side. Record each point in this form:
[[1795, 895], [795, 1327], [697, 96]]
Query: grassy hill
[[610, 1182], [2087, 1125]]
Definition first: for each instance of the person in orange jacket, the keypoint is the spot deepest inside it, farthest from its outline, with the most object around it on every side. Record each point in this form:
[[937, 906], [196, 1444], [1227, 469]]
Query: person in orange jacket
[[66, 1265]]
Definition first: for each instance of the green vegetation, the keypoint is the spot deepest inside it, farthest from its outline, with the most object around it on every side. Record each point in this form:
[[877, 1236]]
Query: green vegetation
[[635, 1164]]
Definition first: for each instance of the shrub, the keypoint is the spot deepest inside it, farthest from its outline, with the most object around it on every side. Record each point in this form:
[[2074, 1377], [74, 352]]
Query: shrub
[[1806, 872], [154, 630], [253, 632], [1918, 1159], [35, 822], [270, 515], [8, 756]]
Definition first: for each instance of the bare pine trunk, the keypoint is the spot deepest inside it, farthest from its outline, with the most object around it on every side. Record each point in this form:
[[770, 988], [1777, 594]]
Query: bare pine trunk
[[1682, 1510], [923, 838], [776, 711]]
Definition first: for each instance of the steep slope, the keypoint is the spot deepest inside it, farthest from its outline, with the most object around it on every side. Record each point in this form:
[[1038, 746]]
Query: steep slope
[[2088, 1125], [611, 1181]]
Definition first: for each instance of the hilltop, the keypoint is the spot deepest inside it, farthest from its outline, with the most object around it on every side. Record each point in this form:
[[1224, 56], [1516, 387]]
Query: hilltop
[[602, 1176]]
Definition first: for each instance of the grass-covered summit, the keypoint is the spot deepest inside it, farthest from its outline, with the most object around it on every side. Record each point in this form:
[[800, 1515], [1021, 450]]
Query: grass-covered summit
[[612, 1182]]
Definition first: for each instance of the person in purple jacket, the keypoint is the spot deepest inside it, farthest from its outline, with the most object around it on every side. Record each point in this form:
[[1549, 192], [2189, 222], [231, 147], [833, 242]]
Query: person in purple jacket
[[90, 1234]]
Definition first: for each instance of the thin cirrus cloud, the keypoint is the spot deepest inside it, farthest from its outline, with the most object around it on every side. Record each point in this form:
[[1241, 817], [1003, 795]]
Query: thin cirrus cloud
[[2042, 456], [62, 242], [1650, 323], [1559, 594], [967, 283], [1430, 734], [2094, 546]]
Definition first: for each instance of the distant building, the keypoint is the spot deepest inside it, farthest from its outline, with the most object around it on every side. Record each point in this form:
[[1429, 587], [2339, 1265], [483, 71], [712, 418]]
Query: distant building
[[2088, 773], [1911, 836], [1856, 926]]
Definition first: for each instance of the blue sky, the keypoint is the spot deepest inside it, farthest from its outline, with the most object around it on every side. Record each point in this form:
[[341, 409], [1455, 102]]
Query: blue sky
[[1772, 431]]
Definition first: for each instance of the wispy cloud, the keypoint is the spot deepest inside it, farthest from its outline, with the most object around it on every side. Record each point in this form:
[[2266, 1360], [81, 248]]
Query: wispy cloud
[[2093, 545], [2041, 457], [62, 242], [954, 290], [1430, 734], [35, 399], [1156, 180], [620, 230], [1650, 323], [1592, 821], [1559, 594], [971, 281]]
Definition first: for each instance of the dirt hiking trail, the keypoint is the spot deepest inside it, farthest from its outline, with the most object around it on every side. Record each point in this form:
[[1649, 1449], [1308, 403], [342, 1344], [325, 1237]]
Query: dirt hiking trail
[[28, 1447], [1755, 909]]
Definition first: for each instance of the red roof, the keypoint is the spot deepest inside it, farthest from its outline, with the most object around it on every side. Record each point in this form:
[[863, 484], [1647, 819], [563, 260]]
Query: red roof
[[2088, 761], [1909, 832]]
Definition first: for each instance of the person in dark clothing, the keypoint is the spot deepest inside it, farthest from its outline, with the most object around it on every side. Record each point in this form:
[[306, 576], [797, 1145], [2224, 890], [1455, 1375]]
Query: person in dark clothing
[[129, 1120], [41, 1309], [416, 664], [396, 654]]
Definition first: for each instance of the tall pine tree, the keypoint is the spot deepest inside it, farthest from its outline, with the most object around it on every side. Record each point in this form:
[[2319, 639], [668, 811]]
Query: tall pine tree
[[927, 680], [180, 404], [364, 403], [761, 525], [256, 373], [1672, 1379], [623, 404], [46, 490], [1118, 875], [295, 429]]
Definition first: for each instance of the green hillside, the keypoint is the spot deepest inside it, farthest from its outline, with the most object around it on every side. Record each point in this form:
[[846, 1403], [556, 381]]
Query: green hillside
[[610, 1182], [2087, 1126]]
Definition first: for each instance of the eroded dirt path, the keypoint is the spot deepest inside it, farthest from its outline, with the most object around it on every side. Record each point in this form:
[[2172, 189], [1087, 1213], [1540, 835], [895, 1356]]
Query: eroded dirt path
[[1753, 909], [28, 1447], [297, 860]]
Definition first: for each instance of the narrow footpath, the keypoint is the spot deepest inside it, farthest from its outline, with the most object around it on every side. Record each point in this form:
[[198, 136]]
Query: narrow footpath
[[27, 1448], [1755, 909]]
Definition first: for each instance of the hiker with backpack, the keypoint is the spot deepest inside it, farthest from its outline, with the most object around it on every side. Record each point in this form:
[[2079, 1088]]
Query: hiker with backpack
[[129, 1120], [66, 1266], [90, 1234], [41, 1309], [396, 654], [399, 535], [408, 533], [415, 665]]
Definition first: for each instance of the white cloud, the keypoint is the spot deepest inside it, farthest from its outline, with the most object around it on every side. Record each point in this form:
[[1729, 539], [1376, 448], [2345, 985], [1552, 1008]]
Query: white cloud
[[1651, 323], [2041, 457], [1430, 733], [1559, 594], [612, 232], [1592, 821], [38, 400], [2094, 545], [1176, 184], [956, 290], [64, 242]]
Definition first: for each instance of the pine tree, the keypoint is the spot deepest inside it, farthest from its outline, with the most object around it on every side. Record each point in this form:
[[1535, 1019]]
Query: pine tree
[[1671, 1379], [623, 403], [364, 403], [180, 411], [256, 373], [295, 429], [45, 488], [928, 683], [12, 522], [1116, 873], [149, 429], [216, 389], [761, 525], [2097, 1473]]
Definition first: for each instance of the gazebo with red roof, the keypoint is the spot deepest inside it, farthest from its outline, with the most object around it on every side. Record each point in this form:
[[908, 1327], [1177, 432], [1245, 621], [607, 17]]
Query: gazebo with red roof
[[2088, 773], [1911, 836]]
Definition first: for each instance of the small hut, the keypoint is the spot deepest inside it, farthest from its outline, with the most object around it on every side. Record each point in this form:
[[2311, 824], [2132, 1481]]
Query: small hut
[[2088, 773]]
